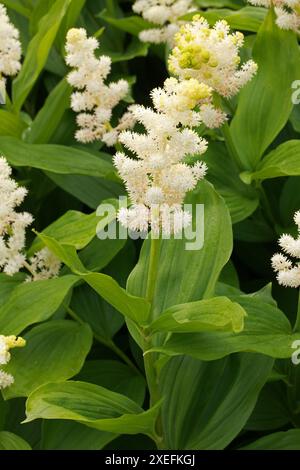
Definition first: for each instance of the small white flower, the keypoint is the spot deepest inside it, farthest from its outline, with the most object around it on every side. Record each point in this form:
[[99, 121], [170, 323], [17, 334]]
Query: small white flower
[[211, 55], [163, 13], [7, 343], [157, 179], [288, 273], [10, 46], [287, 12], [94, 100], [44, 265]]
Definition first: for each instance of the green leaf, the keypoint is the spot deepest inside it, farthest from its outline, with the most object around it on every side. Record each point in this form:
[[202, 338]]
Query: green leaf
[[55, 158], [133, 307], [131, 24], [287, 440], [267, 331], [69, 435], [38, 51], [214, 314], [10, 441], [8, 284], [50, 115], [91, 405], [33, 303], [260, 117], [207, 404], [241, 199], [55, 351], [136, 48], [283, 161], [203, 266], [245, 19], [11, 124]]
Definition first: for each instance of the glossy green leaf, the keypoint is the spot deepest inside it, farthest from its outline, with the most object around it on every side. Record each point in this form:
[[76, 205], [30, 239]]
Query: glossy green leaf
[[267, 331], [33, 302], [55, 351], [55, 158], [260, 117], [38, 51], [207, 404], [91, 405], [10, 124], [50, 115], [9, 441], [214, 314], [287, 440], [8, 284], [283, 161], [203, 265]]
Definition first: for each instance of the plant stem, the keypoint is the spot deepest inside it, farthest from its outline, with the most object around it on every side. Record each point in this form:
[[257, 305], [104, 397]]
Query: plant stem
[[149, 358], [153, 268], [231, 146], [297, 323], [266, 205], [108, 343]]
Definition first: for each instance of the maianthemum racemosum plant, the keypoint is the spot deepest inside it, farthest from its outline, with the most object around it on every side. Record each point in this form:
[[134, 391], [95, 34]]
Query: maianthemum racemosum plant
[[196, 365]]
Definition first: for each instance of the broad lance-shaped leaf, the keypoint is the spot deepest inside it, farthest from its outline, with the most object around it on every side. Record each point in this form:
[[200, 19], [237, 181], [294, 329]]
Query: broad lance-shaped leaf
[[55, 158], [33, 302], [11, 124], [189, 273], [287, 440], [206, 404], [283, 161], [267, 331], [214, 314], [133, 307], [38, 51], [77, 229], [10, 441], [50, 115], [55, 351], [91, 405], [260, 117]]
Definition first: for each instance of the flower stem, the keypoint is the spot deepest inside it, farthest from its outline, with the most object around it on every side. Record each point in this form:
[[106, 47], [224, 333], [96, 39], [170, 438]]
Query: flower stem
[[109, 343], [153, 268], [297, 323], [149, 358]]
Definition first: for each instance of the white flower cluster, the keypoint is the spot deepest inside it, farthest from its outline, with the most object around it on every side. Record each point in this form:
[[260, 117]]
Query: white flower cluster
[[10, 47], [7, 343], [211, 55], [287, 12], [13, 226], [95, 100], [165, 14], [158, 179], [288, 273]]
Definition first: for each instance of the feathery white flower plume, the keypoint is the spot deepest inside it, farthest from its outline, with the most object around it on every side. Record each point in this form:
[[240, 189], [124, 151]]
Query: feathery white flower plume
[[211, 55], [10, 47], [7, 343], [287, 12], [163, 13], [158, 179], [94, 100], [288, 273], [13, 227]]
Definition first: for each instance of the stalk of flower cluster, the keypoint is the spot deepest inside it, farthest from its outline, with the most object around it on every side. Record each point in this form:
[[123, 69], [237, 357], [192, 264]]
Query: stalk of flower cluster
[[13, 225], [288, 272], [212, 56], [165, 14], [7, 343], [94, 100], [287, 12], [10, 49]]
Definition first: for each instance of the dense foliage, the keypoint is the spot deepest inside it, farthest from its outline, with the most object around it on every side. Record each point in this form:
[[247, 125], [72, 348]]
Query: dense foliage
[[143, 344]]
